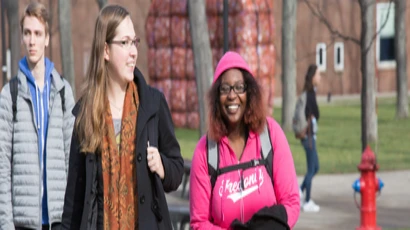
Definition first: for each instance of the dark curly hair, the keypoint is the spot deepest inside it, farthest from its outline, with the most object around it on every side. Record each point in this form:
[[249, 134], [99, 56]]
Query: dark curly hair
[[255, 111]]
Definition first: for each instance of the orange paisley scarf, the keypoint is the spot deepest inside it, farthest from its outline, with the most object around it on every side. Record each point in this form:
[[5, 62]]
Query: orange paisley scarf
[[118, 166]]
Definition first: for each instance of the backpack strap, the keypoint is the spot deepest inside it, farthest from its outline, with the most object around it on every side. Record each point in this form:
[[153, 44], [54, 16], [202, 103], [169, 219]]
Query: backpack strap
[[13, 91], [266, 145], [62, 93], [245, 165], [267, 151], [266, 158], [213, 160]]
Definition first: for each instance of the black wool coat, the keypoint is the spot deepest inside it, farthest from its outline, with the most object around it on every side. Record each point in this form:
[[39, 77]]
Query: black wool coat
[[83, 205]]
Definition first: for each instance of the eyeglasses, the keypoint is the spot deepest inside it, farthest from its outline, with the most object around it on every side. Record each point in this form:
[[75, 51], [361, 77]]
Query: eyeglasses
[[238, 88], [127, 43]]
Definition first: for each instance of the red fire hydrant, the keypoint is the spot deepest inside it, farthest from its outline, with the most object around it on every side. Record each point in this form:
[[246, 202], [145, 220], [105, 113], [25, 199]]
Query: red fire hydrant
[[368, 185]]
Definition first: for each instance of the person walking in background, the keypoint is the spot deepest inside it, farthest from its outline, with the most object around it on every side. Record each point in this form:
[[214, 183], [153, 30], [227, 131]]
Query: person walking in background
[[246, 180], [312, 80], [36, 124], [124, 153]]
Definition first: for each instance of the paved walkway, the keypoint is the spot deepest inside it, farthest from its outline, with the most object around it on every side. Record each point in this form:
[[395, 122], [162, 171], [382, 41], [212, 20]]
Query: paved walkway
[[334, 194]]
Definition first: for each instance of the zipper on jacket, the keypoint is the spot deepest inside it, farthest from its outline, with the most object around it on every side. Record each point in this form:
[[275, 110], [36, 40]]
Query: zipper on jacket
[[40, 154], [40, 199], [50, 222]]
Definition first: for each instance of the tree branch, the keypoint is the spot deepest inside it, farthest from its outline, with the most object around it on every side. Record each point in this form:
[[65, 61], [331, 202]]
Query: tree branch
[[308, 55], [381, 27], [318, 14]]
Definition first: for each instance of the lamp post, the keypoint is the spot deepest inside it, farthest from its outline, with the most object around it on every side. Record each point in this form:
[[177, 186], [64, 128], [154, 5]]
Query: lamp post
[[225, 25]]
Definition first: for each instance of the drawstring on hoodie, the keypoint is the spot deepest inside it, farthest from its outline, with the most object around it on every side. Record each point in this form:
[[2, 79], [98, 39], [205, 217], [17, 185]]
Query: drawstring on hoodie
[[40, 102], [40, 121], [223, 191], [241, 189], [258, 180]]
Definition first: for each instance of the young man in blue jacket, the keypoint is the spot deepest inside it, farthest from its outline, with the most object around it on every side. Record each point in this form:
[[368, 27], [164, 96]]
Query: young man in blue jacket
[[35, 134]]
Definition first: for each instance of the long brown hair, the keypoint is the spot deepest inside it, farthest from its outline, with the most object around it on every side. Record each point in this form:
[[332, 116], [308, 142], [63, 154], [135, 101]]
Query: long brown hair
[[309, 78], [255, 112], [90, 120]]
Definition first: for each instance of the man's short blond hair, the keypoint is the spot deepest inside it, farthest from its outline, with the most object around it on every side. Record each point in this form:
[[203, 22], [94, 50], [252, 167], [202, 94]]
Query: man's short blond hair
[[38, 10]]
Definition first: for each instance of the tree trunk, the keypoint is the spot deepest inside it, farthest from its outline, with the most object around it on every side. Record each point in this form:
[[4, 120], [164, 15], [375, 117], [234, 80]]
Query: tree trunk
[[3, 43], [288, 62], [50, 29], [13, 18], [101, 3], [67, 60], [202, 55], [368, 95], [402, 106]]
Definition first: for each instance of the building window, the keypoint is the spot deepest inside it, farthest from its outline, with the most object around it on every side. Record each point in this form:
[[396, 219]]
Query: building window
[[339, 56], [385, 38], [321, 56]]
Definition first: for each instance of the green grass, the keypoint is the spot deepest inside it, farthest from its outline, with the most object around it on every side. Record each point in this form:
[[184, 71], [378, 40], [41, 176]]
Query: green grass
[[339, 143]]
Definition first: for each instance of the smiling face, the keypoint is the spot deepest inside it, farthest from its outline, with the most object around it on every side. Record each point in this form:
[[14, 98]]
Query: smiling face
[[233, 100], [121, 52], [35, 39]]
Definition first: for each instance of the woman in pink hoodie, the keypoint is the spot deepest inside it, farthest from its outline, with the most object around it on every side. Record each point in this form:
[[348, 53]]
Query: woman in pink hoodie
[[236, 120]]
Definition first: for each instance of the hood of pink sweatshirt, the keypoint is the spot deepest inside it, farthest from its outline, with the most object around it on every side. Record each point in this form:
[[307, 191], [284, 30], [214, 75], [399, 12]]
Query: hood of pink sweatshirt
[[230, 60]]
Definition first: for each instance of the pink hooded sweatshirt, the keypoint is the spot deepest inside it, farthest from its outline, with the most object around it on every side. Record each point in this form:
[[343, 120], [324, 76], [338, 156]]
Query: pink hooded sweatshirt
[[218, 208]]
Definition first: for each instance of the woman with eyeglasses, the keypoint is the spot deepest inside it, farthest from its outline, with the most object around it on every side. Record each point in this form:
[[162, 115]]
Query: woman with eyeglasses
[[124, 154], [242, 173]]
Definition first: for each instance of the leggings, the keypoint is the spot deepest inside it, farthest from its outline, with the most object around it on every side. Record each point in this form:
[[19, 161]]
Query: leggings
[[309, 144]]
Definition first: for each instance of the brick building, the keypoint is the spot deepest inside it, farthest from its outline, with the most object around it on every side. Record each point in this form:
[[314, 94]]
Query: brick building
[[340, 77]]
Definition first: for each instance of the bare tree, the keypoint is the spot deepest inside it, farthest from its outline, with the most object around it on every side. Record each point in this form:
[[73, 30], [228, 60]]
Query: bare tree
[[50, 32], [3, 42], [288, 62], [202, 55], [67, 57], [368, 35], [402, 104], [368, 95], [13, 19], [101, 3]]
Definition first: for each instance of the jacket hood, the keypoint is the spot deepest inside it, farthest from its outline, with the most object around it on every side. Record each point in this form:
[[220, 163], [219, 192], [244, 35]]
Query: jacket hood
[[230, 60], [23, 65]]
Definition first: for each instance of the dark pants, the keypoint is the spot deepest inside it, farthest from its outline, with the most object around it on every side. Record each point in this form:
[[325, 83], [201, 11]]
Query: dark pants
[[55, 226], [309, 144]]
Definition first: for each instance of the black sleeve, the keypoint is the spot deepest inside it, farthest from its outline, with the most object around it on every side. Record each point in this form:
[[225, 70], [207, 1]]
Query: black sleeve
[[75, 191], [311, 105], [169, 148]]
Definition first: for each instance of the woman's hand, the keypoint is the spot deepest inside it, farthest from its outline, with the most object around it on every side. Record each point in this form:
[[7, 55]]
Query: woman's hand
[[155, 162]]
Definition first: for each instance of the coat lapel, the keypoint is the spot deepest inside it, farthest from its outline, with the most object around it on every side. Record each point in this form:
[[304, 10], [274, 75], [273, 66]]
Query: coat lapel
[[148, 104]]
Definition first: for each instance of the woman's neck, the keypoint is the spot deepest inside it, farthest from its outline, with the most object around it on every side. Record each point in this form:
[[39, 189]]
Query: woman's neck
[[116, 94], [237, 140], [116, 91]]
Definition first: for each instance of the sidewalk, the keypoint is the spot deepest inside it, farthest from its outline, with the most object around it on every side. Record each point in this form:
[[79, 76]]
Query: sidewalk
[[338, 210]]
